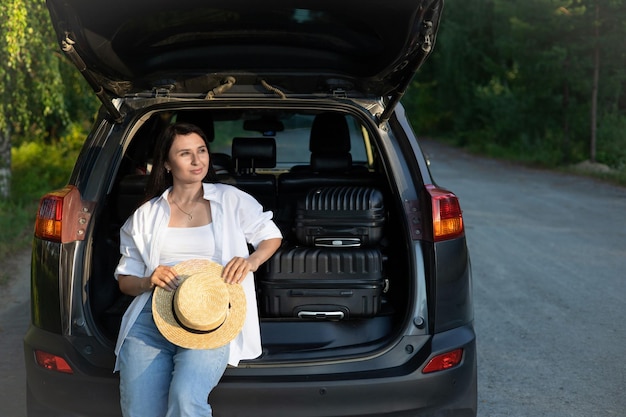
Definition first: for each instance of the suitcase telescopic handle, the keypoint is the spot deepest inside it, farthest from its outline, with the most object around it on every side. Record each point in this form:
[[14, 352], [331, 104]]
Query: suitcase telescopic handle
[[337, 242], [321, 315]]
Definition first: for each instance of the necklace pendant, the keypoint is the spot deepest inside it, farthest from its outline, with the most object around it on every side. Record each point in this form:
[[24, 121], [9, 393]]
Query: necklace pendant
[[190, 217]]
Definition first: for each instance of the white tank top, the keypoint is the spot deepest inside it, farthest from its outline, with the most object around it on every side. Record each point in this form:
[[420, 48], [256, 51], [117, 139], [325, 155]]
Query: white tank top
[[183, 243]]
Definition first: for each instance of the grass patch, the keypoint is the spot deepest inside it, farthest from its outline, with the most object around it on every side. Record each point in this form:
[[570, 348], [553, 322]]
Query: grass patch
[[614, 176], [37, 167], [545, 158], [16, 231], [4, 278], [16, 226]]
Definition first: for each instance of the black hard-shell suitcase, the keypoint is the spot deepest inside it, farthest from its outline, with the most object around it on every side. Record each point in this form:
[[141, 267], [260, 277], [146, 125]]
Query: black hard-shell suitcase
[[340, 216], [322, 283]]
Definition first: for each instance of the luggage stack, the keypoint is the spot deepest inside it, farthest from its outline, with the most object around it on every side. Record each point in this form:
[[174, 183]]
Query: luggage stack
[[335, 270], [340, 217]]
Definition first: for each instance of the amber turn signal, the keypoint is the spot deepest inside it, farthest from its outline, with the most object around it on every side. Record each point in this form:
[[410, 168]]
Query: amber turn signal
[[447, 214]]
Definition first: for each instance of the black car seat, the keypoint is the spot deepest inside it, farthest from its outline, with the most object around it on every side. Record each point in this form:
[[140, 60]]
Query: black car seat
[[249, 154], [330, 165]]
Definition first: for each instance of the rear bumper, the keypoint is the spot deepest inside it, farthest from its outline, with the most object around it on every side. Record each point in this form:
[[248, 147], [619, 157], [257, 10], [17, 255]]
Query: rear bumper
[[394, 392], [89, 391], [391, 393]]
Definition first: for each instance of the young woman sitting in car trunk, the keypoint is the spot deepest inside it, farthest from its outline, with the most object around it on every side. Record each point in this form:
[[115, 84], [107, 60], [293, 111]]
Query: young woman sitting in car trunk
[[188, 216]]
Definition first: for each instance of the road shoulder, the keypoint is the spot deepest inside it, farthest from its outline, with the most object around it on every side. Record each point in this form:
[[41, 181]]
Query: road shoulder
[[16, 289]]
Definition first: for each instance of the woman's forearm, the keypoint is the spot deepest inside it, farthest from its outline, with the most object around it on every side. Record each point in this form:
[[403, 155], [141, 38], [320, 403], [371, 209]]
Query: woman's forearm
[[263, 252], [236, 270], [132, 285]]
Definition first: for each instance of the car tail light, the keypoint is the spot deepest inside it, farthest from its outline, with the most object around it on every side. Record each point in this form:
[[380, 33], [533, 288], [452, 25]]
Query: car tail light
[[62, 216], [444, 361], [52, 362], [447, 214]]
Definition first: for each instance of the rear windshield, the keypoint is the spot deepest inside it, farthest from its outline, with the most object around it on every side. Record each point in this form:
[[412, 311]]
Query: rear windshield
[[291, 132], [292, 143]]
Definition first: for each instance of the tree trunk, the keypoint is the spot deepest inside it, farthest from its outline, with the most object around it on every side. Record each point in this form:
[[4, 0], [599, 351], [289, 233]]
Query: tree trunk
[[565, 144], [594, 89], [5, 164]]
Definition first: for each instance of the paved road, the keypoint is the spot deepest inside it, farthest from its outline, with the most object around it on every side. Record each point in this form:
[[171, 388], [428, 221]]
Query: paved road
[[549, 261], [14, 318], [549, 266]]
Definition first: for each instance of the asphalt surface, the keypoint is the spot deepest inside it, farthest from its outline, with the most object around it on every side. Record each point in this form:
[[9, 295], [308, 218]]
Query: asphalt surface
[[549, 268], [14, 319]]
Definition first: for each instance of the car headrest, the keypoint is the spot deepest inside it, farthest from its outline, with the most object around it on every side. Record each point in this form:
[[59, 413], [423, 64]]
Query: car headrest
[[330, 134], [222, 163], [201, 118], [252, 153], [331, 163]]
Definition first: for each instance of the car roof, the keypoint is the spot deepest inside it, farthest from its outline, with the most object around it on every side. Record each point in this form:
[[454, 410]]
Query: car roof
[[298, 46]]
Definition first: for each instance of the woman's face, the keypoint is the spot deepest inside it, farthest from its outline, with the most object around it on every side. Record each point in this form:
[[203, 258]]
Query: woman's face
[[188, 158]]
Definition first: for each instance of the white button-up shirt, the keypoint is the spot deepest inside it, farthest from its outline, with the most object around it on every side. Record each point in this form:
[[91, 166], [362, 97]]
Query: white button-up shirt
[[238, 219]]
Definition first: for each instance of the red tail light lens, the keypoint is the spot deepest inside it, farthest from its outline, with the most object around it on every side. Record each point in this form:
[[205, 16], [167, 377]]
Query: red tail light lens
[[447, 214], [444, 361], [52, 362], [49, 216], [62, 216]]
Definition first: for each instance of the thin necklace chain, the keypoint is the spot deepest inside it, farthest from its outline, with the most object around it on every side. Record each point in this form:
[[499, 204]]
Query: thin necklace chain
[[189, 215]]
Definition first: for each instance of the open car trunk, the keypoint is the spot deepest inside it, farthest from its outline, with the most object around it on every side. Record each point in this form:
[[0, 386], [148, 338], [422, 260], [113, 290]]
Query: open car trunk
[[187, 47], [318, 298]]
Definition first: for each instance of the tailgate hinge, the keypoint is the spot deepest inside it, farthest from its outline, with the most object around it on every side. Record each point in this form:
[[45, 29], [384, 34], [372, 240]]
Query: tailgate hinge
[[428, 36], [67, 46], [414, 215]]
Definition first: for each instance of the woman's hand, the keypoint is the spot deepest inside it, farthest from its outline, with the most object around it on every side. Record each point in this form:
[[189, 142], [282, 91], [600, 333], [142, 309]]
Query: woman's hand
[[164, 277], [236, 270]]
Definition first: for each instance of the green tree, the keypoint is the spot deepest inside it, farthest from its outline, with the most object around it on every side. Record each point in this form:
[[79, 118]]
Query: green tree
[[570, 58], [607, 41], [542, 41], [464, 57], [37, 84], [535, 77]]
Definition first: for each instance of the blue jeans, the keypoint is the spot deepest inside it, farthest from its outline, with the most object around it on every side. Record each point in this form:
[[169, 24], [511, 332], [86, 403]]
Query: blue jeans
[[160, 379]]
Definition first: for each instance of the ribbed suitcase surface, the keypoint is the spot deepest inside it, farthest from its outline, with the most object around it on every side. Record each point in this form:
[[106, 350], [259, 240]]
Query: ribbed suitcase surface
[[340, 216], [322, 283]]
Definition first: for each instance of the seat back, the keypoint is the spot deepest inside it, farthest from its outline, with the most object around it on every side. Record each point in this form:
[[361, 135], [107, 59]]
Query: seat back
[[131, 191], [329, 144], [330, 165], [249, 154]]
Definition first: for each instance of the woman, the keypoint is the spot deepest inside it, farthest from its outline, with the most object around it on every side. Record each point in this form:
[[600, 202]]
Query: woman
[[188, 216]]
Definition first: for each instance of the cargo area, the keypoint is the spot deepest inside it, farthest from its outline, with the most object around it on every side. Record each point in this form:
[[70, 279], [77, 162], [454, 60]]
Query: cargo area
[[340, 284]]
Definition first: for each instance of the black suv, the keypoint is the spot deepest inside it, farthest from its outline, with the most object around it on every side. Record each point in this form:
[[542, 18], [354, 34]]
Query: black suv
[[300, 100]]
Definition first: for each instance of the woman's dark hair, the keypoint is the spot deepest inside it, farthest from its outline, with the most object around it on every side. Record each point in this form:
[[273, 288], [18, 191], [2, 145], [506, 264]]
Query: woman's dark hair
[[160, 179]]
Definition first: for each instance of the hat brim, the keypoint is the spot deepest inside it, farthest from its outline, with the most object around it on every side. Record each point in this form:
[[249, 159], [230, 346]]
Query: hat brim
[[172, 330]]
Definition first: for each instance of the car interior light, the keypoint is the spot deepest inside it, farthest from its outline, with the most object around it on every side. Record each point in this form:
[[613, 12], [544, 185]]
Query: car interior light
[[444, 361], [52, 362]]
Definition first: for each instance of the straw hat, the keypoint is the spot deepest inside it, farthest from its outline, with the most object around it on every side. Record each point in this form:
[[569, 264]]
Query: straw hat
[[204, 312]]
